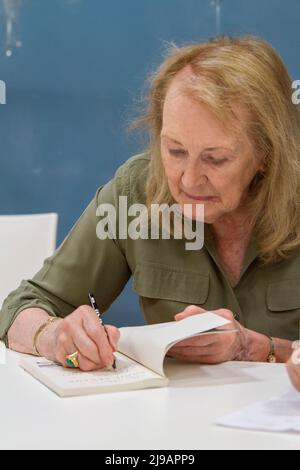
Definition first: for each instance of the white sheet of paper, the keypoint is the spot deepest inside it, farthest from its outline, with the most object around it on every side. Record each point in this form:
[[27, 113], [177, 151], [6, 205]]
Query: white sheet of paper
[[149, 344], [279, 414], [129, 375]]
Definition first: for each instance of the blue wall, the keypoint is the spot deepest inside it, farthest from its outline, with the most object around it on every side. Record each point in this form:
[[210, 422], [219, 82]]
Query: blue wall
[[71, 89]]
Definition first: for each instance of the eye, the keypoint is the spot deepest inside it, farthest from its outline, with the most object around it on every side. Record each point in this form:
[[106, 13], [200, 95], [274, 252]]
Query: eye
[[177, 152], [216, 161]]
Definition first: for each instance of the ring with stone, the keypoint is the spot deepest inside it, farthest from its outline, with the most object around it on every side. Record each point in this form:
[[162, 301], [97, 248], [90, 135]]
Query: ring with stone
[[72, 360]]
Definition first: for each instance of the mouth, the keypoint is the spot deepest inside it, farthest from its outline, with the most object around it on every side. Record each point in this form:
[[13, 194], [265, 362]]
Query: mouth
[[201, 198]]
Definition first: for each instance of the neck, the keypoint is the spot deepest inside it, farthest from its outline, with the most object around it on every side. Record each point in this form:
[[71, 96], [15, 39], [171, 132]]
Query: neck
[[232, 227]]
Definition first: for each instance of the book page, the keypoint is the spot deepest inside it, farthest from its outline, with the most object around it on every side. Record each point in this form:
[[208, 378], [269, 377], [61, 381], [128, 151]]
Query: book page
[[67, 382], [149, 344], [279, 414]]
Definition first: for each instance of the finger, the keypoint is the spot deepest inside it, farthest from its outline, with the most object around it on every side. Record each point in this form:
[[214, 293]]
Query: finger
[[200, 341], [98, 335], [64, 347], [212, 349], [61, 354], [294, 375], [113, 336], [183, 357], [225, 313], [68, 344], [86, 346], [72, 330], [189, 311], [86, 365], [200, 359], [295, 359]]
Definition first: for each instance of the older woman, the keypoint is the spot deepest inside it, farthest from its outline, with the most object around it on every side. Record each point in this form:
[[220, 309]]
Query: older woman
[[224, 134]]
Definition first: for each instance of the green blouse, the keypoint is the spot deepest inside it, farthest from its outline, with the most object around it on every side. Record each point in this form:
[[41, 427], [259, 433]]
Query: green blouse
[[166, 276]]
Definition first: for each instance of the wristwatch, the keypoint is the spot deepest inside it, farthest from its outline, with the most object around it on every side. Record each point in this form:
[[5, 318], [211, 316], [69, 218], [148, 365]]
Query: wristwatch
[[271, 356]]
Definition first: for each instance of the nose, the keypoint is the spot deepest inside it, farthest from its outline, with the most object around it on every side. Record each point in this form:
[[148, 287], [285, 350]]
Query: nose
[[193, 175]]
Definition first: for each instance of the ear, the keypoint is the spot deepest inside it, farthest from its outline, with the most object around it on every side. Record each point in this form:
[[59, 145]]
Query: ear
[[262, 167]]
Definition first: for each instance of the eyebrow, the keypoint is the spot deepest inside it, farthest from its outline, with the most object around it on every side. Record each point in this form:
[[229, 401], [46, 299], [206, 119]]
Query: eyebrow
[[170, 138], [206, 149]]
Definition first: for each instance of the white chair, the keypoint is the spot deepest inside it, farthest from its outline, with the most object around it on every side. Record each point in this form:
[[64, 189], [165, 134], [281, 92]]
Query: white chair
[[25, 242]]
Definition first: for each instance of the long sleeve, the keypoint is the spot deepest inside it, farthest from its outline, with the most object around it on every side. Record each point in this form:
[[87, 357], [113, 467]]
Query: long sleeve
[[82, 263]]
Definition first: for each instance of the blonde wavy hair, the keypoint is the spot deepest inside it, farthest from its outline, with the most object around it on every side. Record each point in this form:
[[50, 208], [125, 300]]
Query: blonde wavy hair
[[247, 71]]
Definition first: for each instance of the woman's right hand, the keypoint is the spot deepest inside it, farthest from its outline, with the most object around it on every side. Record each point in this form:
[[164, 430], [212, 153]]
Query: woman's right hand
[[80, 331]]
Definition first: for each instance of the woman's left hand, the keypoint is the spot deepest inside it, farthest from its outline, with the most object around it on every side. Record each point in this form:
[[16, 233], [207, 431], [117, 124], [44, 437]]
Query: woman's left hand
[[212, 348]]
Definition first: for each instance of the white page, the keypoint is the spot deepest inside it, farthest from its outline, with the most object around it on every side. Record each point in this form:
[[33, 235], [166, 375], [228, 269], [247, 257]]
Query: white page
[[279, 414], [149, 344], [128, 375]]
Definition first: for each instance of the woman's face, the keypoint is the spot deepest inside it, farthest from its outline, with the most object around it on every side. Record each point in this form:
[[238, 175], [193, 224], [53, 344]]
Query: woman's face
[[204, 163]]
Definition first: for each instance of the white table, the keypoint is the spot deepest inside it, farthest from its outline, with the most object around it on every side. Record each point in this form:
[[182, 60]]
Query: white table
[[180, 416]]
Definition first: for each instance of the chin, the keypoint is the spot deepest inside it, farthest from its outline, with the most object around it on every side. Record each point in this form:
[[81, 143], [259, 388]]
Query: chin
[[210, 220]]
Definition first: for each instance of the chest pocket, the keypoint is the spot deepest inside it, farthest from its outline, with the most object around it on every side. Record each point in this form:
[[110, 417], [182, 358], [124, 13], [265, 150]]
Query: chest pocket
[[162, 282], [284, 296], [283, 302]]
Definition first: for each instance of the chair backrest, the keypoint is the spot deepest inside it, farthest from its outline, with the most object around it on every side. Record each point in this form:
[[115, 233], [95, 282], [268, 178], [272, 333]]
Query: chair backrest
[[25, 242]]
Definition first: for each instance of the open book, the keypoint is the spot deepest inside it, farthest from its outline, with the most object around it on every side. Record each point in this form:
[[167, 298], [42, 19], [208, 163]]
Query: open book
[[139, 360]]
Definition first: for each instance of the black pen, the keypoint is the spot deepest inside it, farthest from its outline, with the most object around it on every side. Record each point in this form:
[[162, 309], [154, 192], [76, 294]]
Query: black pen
[[99, 315]]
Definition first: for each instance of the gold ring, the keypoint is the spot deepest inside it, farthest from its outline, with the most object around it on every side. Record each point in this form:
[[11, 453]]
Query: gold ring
[[72, 360]]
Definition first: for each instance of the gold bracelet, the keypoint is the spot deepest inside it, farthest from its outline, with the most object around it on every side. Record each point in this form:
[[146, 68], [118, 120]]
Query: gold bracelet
[[272, 356], [40, 330]]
